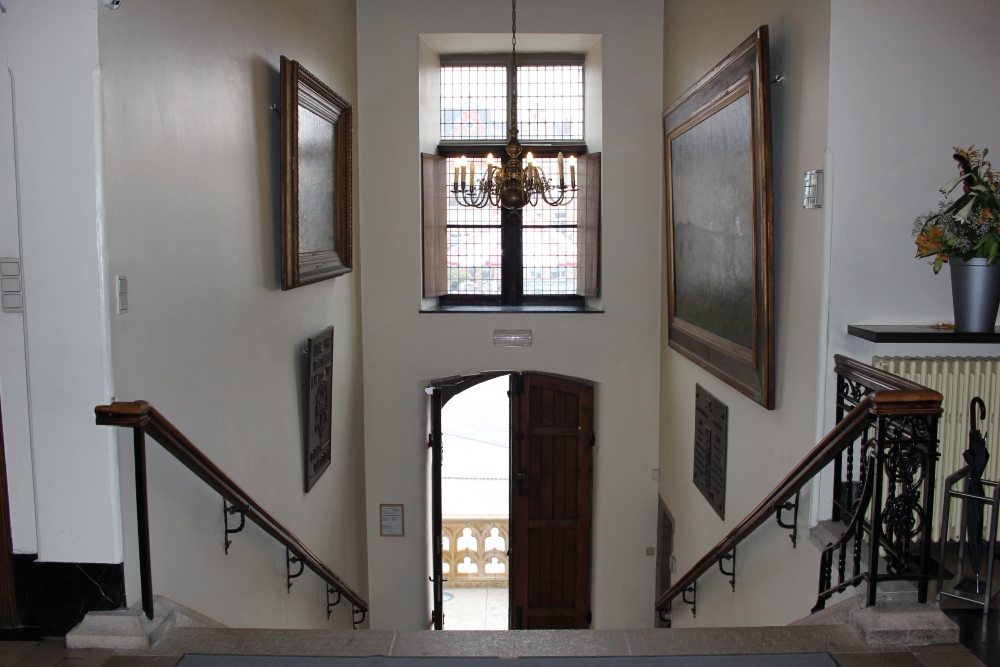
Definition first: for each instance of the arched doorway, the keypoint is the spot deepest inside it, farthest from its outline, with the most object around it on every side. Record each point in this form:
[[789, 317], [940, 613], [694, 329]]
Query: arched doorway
[[550, 484]]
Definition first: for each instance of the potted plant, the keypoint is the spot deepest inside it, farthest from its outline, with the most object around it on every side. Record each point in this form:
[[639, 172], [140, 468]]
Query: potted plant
[[964, 233]]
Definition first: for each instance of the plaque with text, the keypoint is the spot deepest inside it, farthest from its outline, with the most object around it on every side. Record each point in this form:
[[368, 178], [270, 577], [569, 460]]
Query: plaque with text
[[710, 428], [319, 404]]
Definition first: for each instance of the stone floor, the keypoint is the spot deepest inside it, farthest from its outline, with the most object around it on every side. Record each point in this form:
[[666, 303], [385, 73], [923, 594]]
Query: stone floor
[[838, 640], [476, 609]]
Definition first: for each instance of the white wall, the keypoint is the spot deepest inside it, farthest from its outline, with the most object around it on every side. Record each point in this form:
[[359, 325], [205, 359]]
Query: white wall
[[904, 89], [192, 161], [53, 61], [617, 349], [762, 445]]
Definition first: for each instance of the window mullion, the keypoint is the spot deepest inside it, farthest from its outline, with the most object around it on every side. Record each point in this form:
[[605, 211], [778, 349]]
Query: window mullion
[[511, 274]]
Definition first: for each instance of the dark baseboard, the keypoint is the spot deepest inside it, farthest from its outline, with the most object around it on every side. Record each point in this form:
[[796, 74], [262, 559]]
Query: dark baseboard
[[54, 597], [22, 634]]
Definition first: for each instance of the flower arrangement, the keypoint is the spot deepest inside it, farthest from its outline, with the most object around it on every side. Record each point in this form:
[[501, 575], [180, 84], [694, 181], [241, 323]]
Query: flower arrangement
[[968, 226]]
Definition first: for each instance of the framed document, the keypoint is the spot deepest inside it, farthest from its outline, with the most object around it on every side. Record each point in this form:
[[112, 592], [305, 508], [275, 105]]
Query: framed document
[[390, 520]]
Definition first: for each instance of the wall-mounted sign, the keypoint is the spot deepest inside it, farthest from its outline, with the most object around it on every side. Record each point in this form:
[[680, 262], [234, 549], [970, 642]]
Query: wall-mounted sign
[[391, 520], [319, 405], [711, 425]]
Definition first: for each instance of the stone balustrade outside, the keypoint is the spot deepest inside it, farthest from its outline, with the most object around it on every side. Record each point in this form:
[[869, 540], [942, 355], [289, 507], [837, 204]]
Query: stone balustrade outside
[[474, 551]]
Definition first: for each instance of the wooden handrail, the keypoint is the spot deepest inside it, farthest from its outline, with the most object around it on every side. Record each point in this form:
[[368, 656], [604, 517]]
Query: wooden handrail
[[142, 415], [872, 377], [909, 398]]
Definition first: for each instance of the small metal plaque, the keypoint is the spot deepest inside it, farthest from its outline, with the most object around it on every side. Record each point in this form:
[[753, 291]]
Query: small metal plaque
[[319, 404], [711, 426]]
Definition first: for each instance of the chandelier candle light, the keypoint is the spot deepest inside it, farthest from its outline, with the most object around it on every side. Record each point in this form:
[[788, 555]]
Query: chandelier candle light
[[516, 182]]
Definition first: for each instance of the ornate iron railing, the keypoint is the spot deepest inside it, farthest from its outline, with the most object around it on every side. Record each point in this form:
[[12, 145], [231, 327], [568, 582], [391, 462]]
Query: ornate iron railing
[[144, 419], [888, 426], [474, 552]]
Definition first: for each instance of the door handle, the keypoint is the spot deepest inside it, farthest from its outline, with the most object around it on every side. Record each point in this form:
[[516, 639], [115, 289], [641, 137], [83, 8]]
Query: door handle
[[520, 482]]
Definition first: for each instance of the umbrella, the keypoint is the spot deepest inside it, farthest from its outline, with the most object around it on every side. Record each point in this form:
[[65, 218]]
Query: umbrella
[[976, 456]]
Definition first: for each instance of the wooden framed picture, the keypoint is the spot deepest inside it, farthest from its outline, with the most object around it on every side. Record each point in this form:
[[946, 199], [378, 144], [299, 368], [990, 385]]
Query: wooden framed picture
[[719, 217], [316, 179]]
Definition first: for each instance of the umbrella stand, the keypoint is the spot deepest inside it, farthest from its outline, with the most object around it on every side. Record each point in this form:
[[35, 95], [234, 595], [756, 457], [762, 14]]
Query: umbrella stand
[[985, 594]]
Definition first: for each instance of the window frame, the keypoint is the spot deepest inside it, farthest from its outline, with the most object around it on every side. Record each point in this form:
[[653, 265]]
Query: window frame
[[511, 222]]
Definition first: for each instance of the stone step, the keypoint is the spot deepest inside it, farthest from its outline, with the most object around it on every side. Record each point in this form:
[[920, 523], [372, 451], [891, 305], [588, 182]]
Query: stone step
[[130, 629]]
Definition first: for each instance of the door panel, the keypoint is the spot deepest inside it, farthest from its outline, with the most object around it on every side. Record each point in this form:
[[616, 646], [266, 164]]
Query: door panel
[[552, 469], [434, 444]]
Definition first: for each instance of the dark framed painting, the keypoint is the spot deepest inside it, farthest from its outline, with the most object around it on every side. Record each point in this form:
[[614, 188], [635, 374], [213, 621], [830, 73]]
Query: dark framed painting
[[719, 218], [316, 179], [319, 406]]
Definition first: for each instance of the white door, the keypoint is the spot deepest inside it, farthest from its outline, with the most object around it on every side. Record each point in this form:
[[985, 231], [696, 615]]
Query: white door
[[13, 357]]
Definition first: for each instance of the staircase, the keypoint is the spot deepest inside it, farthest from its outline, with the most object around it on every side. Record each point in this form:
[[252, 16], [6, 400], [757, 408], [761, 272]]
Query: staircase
[[871, 607], [840, 641]]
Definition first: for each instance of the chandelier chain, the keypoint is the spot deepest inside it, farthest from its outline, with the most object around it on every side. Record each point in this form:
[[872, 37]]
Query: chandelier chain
[[513, 60], [512, 184]]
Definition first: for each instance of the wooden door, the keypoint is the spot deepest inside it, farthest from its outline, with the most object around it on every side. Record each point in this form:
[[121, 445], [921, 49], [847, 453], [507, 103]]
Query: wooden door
[[552, 438], [434, 444], [438, 394]]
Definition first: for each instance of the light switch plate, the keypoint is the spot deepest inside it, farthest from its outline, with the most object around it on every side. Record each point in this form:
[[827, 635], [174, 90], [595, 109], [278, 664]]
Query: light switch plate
[[11, 285], [122, 291]]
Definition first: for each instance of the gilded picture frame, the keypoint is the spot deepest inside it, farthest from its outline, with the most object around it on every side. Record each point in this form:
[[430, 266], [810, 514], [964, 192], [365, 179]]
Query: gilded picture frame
[[719, 222], [317, 180]]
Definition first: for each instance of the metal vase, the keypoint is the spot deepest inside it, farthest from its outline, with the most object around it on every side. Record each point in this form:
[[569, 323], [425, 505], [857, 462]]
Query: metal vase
[[975, 294]]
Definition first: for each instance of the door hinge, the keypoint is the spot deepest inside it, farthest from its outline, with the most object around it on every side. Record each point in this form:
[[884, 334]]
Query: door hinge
[[593, 440], [589, 618], [430, 440], [519, 384]]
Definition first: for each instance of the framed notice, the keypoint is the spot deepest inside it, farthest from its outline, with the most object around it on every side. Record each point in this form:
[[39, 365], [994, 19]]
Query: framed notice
[[390, 520]]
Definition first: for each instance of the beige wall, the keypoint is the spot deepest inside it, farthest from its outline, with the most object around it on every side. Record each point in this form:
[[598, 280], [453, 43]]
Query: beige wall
[[191, 182], [763, 445], [618, 349]]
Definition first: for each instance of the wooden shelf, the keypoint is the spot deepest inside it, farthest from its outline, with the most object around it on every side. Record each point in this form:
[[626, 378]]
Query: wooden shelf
[[901, 333]]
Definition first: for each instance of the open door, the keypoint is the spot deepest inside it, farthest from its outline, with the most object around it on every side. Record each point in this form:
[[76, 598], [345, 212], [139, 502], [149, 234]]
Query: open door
[[434, 444], [552, 439], [439, 393]]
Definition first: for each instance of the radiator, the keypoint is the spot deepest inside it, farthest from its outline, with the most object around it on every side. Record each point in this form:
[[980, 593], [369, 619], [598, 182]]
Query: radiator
[[958, 380]]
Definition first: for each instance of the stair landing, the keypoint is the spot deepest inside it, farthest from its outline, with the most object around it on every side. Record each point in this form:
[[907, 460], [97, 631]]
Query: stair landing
[[839, 640]]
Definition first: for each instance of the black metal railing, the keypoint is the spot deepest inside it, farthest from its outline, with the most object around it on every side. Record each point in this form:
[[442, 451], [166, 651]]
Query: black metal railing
[[144, 420], [886, 426], [890, 502]]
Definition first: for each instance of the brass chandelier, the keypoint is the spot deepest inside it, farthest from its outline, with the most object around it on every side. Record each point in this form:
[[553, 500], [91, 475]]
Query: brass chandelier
[[515, 183]]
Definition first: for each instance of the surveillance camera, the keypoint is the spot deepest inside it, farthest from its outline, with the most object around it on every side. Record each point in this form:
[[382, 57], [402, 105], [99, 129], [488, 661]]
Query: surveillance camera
[[112, 4]]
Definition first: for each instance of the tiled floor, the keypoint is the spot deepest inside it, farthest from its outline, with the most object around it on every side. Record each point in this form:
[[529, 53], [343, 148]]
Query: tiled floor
[[476, 609], [838, 640]]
